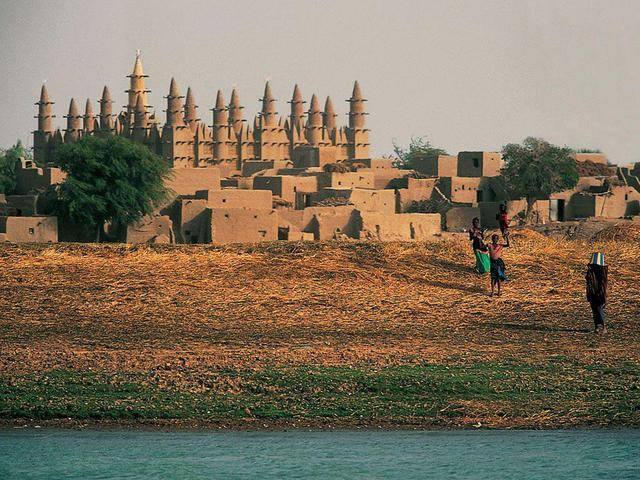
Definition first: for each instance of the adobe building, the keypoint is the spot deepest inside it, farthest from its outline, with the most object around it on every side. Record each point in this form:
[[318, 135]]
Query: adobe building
[[289, 175], [186, 141]]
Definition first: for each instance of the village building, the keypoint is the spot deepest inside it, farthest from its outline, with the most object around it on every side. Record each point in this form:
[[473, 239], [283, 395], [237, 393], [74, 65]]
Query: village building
[[296, 175]]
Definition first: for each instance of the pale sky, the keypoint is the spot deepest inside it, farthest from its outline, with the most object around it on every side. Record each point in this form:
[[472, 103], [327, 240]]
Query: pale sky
[[470, 75]]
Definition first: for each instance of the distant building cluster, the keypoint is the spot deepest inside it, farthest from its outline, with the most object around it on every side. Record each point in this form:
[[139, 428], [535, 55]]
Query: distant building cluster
[[301, 178]]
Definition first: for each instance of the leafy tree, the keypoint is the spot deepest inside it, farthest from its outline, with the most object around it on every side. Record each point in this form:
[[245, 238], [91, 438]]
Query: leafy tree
[[109, 180], [419, 148], [9, 160], [536, 169]]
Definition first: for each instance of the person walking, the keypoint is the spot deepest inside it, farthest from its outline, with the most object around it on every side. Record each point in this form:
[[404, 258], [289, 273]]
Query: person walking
[[497, 271], [480, 250], [596, 280]]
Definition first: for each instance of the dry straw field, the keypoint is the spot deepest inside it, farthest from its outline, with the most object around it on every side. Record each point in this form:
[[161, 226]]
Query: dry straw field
[[318, 334]]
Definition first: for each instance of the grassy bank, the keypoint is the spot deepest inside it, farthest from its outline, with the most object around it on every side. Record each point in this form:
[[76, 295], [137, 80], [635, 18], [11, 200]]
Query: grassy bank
[[556, 394], [342, 333]]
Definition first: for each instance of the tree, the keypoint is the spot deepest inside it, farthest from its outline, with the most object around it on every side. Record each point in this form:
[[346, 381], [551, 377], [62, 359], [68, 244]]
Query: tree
[[9, 160], [109, 180], [536, 169], [419, 148]]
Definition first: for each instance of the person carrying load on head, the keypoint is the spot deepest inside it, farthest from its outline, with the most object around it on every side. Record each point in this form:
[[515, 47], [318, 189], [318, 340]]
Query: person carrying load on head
[[480, 250], [503, 221], [498, 268], [596, 280]]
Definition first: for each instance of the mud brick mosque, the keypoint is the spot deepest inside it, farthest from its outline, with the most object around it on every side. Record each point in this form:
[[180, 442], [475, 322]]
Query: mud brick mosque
[[293, 176]]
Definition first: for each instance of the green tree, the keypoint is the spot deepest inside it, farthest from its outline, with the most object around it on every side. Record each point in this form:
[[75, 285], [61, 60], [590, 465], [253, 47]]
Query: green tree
[[9, 160], [419, 148], [536, 169], [109, 180]]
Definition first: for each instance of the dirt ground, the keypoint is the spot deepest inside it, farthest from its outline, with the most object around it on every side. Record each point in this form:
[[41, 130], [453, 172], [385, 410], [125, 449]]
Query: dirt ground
[[122, 308]]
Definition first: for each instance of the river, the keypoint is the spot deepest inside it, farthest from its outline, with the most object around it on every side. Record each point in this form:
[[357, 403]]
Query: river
[[141, 454]]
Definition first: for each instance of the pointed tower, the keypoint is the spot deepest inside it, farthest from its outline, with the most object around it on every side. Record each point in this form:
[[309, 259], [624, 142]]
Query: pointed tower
[[137, 86], [74, 123], [174, 105], [43, 135], [357, 134], [297, 107], [268, 113], [190, 116], [329, 116], [141, 121], [313, 129], [106, 115], [221, 132], [177, 137], [88, 120], [235, 112], [272, 143]]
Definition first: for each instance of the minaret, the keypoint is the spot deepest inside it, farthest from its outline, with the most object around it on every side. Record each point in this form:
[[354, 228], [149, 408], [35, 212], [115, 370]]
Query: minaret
[[235, 112], [221, 131], [141, 118], [106, 117], [358, 135], [137, 87], [45, 112], [44, 133], [74, 123], [297, 107], [329, 116], [356, 108], [268, 112], [190, 116], [174, 105], [313, 130], [88, 121], [141, 121], [177, 137]]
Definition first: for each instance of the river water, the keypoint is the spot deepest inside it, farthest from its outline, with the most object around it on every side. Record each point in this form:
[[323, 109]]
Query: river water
[[549, 455]]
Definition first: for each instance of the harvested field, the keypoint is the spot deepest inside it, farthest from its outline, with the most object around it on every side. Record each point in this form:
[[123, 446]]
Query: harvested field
[[344, 333]]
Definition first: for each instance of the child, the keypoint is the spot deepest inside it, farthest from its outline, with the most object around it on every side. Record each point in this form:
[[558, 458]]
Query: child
[[503, 221], [497, 264], [596, 279], [476, 235]]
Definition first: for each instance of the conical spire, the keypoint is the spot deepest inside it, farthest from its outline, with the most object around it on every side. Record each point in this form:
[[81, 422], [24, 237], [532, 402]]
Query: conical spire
[[315, 114], [235, 112], [356, 108], [74, 122], [297, 107], [268, 112], [44, 94], [356, 94], [314, 122], [220, 116], [137, 66], [45, 111], [141, 118], [137, 87], [89, 117], [174, 105], [106, 117], [329, 118], [190, 116], [221, 130], [73, 117]]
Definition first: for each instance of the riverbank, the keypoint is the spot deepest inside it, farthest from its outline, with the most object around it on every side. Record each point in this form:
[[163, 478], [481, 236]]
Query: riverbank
[[318, 335]]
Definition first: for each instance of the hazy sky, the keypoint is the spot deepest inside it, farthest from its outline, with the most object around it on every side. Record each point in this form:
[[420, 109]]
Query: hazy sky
[[467, 74]]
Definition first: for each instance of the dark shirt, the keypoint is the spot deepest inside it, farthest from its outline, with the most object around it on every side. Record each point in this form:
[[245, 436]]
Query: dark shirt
[[596, 280]]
